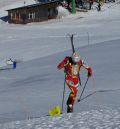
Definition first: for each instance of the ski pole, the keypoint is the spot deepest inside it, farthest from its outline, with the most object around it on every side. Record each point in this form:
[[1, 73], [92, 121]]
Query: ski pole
[[63, 94], [83, 90]]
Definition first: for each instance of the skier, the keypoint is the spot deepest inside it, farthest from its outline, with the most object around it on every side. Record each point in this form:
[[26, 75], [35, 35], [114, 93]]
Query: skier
[[71, 66], [99, 6]]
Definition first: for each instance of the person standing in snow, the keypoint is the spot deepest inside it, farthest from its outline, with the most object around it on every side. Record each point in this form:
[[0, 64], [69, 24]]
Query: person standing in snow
[[90, 4], [71, 66], [99, 6]]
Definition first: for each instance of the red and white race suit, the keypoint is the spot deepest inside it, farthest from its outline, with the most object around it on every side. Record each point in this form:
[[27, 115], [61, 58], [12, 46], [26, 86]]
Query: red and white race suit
[[72, 75]]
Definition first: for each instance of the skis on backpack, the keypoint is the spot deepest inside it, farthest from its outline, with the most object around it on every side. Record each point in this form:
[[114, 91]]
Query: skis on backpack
[[72, 45]]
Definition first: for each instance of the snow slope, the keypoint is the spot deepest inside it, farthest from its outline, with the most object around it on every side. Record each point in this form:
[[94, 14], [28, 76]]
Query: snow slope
[[94, 119], [36, 85]]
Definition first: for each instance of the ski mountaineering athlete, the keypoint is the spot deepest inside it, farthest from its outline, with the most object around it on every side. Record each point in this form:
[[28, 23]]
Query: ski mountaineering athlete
[[71, 66]]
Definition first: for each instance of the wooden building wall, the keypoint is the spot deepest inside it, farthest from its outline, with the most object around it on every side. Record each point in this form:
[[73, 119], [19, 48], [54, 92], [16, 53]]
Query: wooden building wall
[[33, 14]]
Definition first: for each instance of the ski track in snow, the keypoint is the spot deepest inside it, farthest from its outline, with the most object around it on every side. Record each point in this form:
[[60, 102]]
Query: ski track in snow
[[93, 119]]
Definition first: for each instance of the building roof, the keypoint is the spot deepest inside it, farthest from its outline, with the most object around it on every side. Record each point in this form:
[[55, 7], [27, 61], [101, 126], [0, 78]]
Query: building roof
[[34, 5]]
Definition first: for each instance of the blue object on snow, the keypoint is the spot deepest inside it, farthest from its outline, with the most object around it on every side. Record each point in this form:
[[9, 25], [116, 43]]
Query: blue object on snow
[[14, 64]]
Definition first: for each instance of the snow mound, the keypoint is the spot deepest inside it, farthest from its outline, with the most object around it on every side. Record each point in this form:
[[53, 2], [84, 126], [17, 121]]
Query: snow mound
[[62, 12], [94, 119], [1, 21]]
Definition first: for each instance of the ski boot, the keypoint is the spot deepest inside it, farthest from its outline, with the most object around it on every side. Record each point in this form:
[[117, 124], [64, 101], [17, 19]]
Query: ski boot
[[69, 106]]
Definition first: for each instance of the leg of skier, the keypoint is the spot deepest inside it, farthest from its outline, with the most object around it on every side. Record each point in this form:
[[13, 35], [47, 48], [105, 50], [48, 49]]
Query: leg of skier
[[71, 99], [72, 83]]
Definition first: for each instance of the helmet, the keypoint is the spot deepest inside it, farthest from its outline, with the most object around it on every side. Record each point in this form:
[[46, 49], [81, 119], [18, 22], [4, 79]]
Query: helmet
[[75, 57]]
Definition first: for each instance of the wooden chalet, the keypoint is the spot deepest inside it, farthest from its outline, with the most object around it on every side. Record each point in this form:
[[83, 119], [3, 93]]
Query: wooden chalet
[[33, 13]]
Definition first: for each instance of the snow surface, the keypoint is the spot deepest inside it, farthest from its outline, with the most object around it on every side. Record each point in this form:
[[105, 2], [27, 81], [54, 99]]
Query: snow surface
[[27, 93]]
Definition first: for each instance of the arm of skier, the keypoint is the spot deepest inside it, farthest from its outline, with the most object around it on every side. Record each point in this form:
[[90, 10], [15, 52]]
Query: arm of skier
[[88, 68], [63, 63]]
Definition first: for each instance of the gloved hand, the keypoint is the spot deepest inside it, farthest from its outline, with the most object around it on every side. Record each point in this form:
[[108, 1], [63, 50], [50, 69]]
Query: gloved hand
[[89, 72]]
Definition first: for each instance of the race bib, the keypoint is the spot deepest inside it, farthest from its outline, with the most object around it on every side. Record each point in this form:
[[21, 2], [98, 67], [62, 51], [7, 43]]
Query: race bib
[[75, 69]]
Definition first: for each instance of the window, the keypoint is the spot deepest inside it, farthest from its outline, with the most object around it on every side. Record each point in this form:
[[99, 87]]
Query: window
[[12, 15], [31, 15]]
